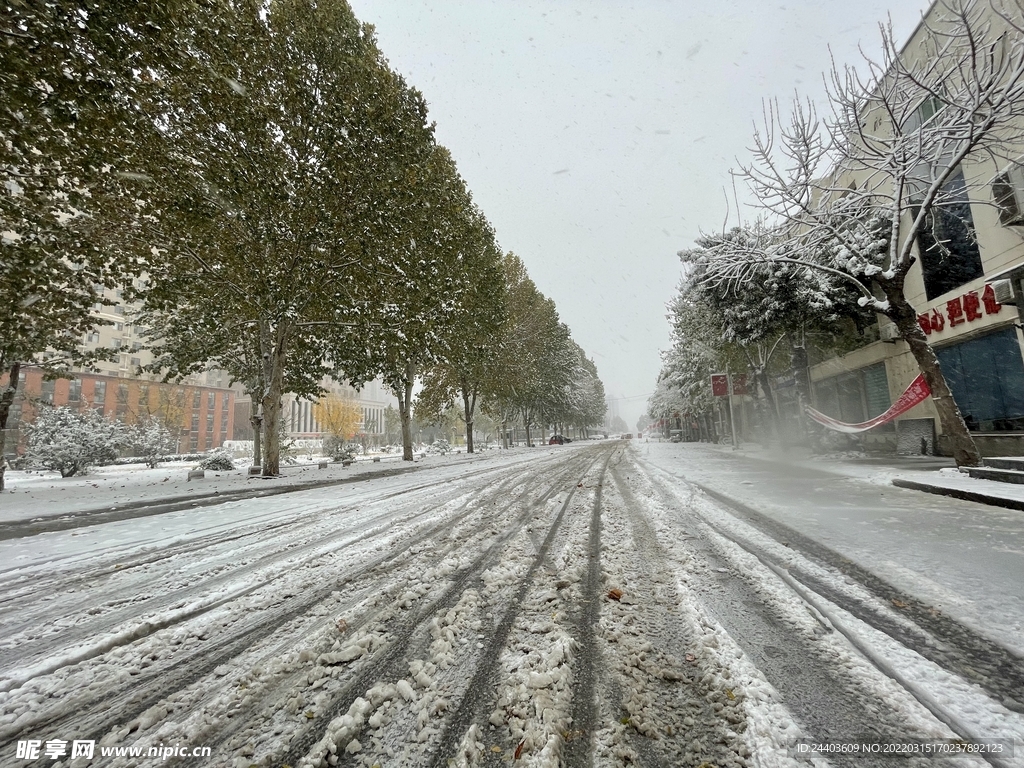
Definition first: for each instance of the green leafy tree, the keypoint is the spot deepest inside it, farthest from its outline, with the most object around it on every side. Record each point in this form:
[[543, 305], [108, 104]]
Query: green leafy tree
[[471, 362], [417, 320], [71, 132], [288, 146]]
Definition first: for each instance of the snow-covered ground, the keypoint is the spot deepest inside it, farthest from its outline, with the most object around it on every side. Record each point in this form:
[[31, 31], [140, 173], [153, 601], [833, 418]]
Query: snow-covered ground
[[571, 605], [44, 494]]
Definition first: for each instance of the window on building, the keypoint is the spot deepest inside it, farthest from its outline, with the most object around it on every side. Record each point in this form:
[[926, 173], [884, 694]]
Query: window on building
[[46, 394], [925, 111], [211, 400], [119, 326], [986, 377], [855, 396], [947, 242], [99, 394], [143, 398], [122, 399], [75, 391], [197, 400], [136, 361]]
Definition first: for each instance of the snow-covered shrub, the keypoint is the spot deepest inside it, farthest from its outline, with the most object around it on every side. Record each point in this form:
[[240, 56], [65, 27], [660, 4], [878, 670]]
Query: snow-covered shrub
[[70, 441], [441, 446], [337, 449], [218, 460], [150, 441]]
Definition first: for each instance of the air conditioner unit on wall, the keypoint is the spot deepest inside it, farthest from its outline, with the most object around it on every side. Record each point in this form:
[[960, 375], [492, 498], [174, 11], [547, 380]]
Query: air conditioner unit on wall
[[888, 332], [1008, 192], [1006, 291]]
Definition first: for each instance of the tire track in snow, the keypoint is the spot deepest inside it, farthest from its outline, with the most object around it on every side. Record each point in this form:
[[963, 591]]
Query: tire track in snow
[[151, 687], [678, 710], [479, 698], [391, 663], [958, 648], [579, 748], [822, 690], [811, 591], [387, 563], [84, 631]]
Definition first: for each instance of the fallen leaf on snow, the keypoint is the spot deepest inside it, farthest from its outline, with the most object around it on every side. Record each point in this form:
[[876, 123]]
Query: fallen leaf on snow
[[900, 603], [615, 594]]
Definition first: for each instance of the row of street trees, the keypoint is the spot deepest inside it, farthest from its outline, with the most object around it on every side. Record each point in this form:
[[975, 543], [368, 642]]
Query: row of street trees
[[260, 181], [523, 367], [849, 203]]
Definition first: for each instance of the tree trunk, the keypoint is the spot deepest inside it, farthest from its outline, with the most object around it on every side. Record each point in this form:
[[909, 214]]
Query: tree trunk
[[405, 410], [802, 381], [274, 355], [257, 425], [770, 410], [469, 406], [965, 452], [6, 400]]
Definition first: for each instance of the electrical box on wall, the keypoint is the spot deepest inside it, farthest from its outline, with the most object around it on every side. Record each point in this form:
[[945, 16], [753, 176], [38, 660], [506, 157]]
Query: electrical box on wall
[[888, 332]]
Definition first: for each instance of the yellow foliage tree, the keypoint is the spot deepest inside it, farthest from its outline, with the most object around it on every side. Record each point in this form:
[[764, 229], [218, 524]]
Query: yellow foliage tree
[[338, 416]]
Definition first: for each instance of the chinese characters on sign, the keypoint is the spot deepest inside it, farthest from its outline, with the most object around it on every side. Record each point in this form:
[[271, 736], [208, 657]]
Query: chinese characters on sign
[[962, 309], [54, 748]]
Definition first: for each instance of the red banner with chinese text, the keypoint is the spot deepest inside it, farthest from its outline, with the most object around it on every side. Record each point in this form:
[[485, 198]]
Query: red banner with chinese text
[[914, 394]]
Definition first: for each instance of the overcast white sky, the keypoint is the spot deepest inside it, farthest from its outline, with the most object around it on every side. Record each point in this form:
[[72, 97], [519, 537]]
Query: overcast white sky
[[597, 136]]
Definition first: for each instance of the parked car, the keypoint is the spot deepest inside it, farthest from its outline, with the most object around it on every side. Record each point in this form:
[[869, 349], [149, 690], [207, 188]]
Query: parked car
[[559, 440]]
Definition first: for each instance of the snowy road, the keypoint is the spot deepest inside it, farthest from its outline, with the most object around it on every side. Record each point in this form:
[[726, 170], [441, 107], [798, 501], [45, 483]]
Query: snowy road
[[583, 605]]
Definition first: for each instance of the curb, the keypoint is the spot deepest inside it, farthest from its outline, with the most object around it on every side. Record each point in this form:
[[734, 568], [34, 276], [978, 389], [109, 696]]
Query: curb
[[957, 493]]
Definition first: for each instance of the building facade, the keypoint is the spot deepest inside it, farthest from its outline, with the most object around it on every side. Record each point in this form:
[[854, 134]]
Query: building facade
[[299, 415], [966, 287], [199, 417]]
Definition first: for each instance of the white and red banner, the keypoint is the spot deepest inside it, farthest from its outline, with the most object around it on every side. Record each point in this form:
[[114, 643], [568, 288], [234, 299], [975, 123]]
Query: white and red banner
[[916, 393]]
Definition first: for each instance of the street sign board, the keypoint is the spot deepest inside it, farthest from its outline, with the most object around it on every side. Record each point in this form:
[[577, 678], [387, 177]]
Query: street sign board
[[719, 384]]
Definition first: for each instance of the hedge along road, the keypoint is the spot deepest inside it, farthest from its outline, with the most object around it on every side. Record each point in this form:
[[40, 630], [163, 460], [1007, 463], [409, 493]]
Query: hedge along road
[[569, 606]]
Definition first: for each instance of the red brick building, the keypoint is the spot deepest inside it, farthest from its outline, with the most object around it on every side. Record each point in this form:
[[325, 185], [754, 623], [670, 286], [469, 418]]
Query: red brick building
[[200, 417]]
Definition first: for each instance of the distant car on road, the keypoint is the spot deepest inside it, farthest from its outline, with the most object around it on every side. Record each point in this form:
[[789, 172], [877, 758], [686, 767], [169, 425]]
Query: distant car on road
[[559, 440], [628, 436]]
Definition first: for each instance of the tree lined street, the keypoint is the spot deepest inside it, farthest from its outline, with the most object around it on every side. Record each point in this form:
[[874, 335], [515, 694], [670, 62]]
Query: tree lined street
[[479, 562]]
